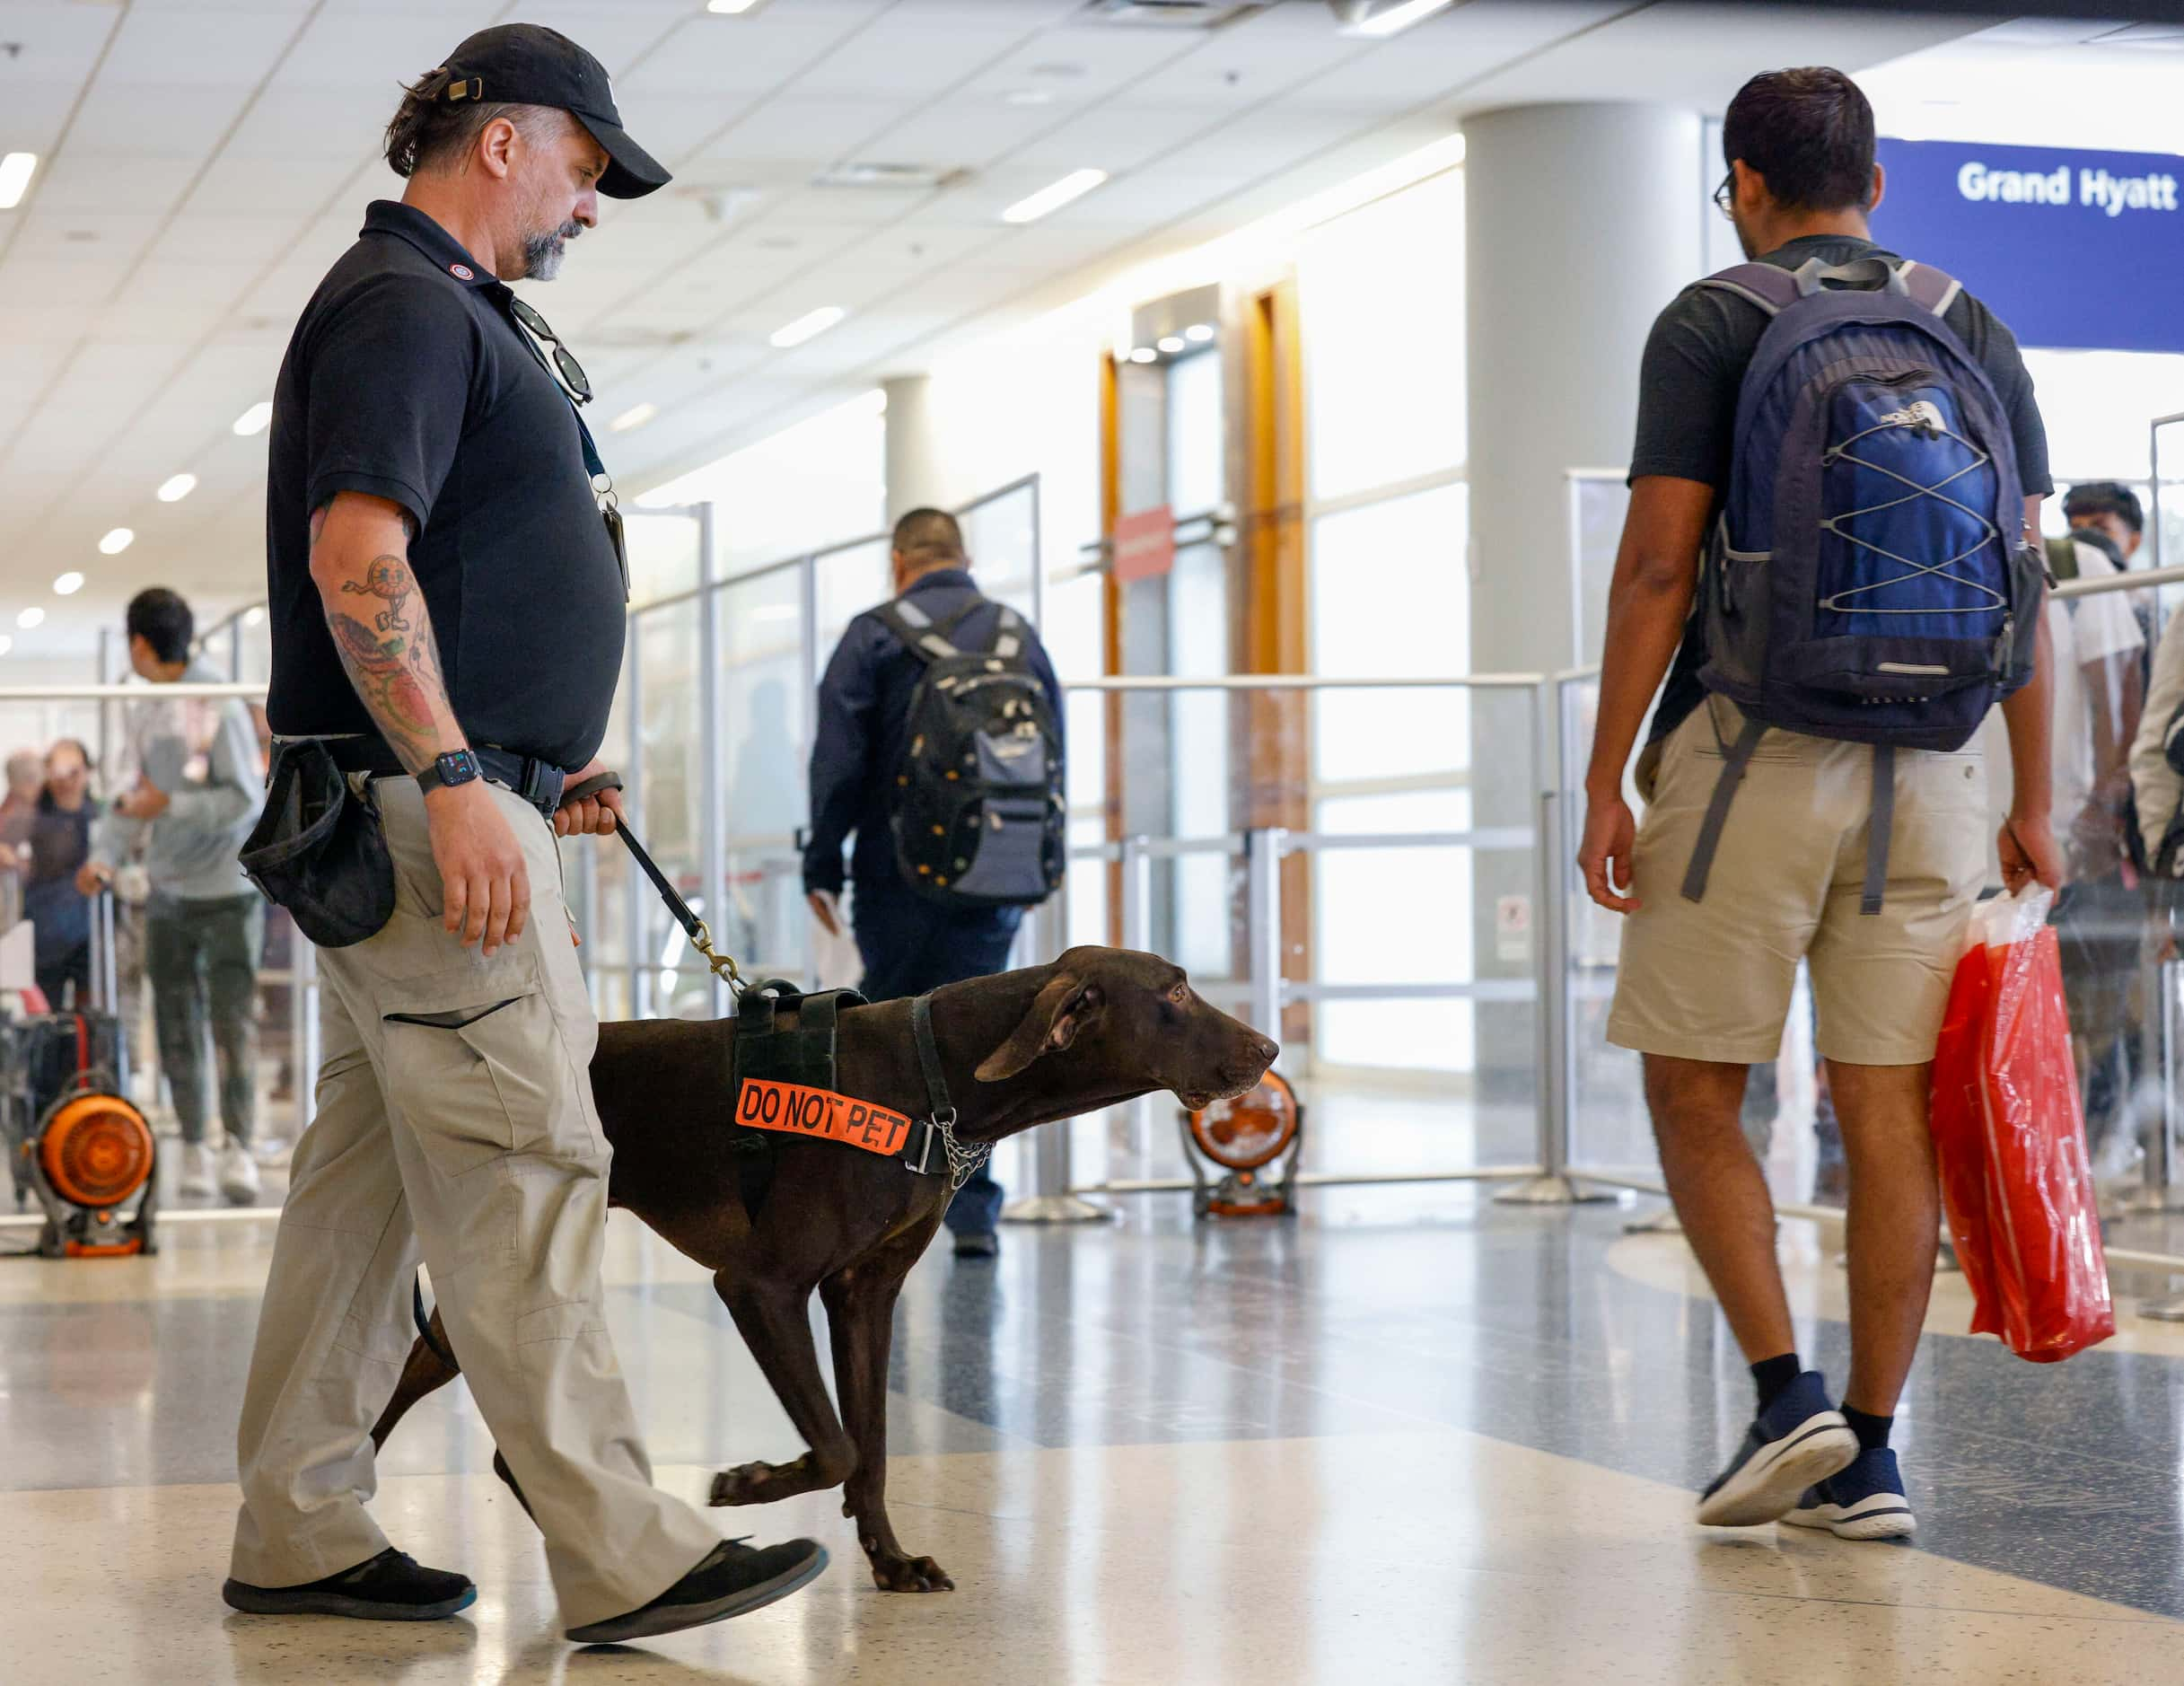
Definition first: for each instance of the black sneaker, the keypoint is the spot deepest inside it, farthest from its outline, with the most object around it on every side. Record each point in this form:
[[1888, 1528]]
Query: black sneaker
[[1797, 1442], [982, 1244], [389, 1587], [733, 1580]]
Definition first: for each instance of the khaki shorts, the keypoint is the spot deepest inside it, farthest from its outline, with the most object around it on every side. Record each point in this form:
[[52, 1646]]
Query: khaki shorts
[[1711, 980]]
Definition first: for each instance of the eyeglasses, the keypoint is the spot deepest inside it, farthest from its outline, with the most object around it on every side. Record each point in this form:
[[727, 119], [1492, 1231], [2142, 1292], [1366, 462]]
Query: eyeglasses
[[572, 372], [1725, 195]]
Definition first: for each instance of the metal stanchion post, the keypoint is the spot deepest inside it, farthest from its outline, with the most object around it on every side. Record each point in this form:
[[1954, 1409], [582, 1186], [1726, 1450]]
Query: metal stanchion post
[[1264, 851], [1050, 1200], [2167, 1003], [1550, 971], [1137, 934]]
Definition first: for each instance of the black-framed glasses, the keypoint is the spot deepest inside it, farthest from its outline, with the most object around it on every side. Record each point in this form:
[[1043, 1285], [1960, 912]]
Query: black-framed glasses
[[1725, 196], [578, 382]]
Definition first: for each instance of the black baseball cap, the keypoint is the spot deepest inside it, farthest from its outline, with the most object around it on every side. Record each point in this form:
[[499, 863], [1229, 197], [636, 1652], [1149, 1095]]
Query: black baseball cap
[[528, 64]]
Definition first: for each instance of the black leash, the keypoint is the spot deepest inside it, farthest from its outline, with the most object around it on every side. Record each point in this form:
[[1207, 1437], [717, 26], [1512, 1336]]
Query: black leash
[[424, 1323], [693, 928]]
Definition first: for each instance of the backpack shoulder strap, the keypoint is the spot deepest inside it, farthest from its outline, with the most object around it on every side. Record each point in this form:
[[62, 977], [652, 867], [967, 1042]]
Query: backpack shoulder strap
[[916, 631], [1771, 287], [1930, 287]]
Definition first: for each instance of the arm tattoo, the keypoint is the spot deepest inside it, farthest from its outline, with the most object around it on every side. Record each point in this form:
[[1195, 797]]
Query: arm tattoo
[[393, 661]]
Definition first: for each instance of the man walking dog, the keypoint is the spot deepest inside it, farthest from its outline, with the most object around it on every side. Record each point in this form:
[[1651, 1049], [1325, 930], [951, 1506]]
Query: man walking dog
[[447, 618], [1814, 789]]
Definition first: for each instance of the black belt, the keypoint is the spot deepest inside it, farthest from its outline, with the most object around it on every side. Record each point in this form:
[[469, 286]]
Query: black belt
[[539, 783]]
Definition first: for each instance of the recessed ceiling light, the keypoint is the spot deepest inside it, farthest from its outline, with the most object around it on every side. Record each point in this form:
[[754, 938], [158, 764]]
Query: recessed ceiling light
[[1051, 198], [117, 541], [1198, 333], [6, 643], [809, 325], [636, 416], [1145, 354], [176, 488], [68, 584], [729, 8], [1171, 343], [30, 618], [253, 420], [1396, 19], [254, 616], [15, 170]]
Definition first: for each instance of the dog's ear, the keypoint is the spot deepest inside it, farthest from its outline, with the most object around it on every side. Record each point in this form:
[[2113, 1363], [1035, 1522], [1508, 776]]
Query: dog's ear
[[1055, 1017]]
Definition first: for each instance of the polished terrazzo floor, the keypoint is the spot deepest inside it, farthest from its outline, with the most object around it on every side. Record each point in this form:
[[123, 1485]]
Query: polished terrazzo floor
[[1412, 1436]]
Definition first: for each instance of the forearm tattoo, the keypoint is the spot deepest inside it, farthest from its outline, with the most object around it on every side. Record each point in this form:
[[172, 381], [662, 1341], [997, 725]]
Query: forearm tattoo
[[392, 660]]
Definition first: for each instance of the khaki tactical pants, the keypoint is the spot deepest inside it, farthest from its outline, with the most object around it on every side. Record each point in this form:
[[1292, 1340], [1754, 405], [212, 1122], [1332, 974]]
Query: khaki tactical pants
[[454, 1119]]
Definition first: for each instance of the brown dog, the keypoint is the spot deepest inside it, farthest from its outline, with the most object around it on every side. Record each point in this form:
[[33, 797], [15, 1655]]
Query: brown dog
[[1099, 1027]]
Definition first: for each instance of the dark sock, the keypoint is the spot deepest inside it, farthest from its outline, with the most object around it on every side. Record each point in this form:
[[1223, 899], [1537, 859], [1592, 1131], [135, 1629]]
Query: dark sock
[[1872, 1432], [1772, 1375]]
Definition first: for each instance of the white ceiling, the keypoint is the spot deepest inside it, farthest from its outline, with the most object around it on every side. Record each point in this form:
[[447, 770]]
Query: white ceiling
[[203, 162]]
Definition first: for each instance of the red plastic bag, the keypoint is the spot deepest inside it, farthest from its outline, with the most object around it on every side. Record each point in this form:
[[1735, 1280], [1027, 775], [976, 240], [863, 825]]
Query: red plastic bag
[[2010, 1140]]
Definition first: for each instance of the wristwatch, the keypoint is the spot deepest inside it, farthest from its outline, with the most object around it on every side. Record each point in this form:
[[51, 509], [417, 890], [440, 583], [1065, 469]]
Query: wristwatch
[[456, 766]]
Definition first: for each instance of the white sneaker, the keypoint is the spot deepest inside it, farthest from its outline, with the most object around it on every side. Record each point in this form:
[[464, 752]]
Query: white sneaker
[[197, 1169], [238, 1174], [269, 1150]]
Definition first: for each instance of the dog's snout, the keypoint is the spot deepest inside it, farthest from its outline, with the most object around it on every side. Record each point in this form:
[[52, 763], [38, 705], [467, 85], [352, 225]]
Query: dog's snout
[[1264, 1050]]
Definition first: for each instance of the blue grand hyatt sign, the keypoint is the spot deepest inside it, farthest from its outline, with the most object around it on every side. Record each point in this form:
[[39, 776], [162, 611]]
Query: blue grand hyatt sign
[[2071, 249]]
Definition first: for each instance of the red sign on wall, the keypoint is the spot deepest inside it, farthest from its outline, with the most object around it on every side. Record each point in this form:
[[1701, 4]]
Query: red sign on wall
[[1145, 543]]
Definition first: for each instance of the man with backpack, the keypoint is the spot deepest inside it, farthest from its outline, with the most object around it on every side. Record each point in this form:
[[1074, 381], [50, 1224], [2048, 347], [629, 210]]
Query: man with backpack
[[938, 744], [1851, 442]]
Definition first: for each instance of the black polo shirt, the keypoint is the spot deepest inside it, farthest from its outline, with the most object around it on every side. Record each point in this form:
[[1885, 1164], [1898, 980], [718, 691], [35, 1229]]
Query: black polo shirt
[[408, 379]]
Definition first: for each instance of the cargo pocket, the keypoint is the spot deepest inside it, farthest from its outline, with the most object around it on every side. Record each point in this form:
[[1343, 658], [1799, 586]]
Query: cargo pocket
[[474, 1059]]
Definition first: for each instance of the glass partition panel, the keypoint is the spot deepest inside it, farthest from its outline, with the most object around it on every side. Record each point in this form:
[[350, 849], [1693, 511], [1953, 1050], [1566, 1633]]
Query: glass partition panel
[[663, 554], [1597, 504], [671, 981], [1001, 536], [599, 873], [765, 722], [847, 582]]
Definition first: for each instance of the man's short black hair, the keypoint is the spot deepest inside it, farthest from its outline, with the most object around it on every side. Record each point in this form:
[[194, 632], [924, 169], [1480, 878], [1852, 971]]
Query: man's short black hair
[[929, 536], [2106, 497], [1809, 133], [163, 621]]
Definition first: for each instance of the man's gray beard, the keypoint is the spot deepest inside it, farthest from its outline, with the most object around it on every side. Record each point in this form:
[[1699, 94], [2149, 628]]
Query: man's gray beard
[[543, 253]]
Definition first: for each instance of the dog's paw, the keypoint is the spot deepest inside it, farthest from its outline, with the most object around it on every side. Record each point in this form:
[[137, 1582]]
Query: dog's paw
[[746, 1484], [911, 1575]]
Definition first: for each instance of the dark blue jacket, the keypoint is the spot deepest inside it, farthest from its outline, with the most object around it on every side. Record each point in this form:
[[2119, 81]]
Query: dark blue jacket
[[860, 738]]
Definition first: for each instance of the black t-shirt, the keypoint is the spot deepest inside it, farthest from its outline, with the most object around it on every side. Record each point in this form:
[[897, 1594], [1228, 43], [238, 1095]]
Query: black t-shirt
[[408, 379], [1688, 386]]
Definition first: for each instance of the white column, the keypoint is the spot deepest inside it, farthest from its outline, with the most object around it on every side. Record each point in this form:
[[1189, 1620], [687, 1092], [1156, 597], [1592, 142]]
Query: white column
[[917, 468], [1581, 222]]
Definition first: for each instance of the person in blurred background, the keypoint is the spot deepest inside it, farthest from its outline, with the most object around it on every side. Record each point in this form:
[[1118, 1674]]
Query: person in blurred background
[[2100, 916], [198, 787], [26, 778], [910, 945], [59, 844]]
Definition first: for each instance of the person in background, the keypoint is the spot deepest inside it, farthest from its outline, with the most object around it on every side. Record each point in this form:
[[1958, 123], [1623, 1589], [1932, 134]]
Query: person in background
[[2099, 918], [910, 945], [198, 787], [26, 781], [60, 843]]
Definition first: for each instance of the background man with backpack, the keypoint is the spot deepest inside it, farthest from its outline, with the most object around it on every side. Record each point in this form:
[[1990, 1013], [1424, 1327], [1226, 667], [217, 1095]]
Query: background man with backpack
[[953, 790], [1849, 636]]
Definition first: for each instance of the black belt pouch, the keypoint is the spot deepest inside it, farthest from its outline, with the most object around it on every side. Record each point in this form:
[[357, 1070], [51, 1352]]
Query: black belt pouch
[[320, 851]]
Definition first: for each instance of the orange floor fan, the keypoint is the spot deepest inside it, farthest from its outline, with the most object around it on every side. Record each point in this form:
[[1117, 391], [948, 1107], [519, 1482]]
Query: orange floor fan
[[1242, 1137], [91, 1161]]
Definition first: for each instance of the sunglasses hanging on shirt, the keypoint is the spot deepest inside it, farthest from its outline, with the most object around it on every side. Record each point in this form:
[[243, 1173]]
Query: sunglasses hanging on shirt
[[569, 376]]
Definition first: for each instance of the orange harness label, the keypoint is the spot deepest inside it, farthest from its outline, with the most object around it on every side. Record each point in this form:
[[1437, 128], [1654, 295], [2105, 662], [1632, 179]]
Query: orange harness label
[[793, 1109]]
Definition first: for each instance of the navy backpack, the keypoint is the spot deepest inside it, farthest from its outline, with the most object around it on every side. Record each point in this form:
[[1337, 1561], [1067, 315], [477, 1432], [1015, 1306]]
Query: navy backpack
[[1867, 579]]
